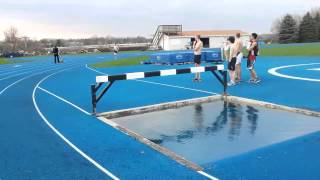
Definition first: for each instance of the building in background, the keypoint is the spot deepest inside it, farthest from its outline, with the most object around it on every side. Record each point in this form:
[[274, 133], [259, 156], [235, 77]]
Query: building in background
[[172, 37]]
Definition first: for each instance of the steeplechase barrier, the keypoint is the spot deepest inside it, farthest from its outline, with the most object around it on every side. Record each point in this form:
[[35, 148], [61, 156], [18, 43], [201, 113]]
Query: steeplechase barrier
[[96, 94]]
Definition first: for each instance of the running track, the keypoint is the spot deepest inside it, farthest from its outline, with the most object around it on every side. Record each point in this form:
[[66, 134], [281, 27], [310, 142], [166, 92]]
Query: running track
[[47, 131], [32, 149]]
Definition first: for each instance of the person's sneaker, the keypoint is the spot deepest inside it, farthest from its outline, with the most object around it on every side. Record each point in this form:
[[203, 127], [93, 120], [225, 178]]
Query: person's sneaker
[[251, 80], [238, 81], [194, 80], [257, 80], [231, 84], [199, 80]]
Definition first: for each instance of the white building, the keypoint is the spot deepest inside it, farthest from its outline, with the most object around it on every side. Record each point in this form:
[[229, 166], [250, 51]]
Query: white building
[[171, 37]]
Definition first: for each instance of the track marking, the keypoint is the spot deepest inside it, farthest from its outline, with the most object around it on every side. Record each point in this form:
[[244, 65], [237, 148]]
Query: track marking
[[207, 175], [15, 75], [25, 68], [64, 100], [315, 69], [61, 135], [99, 72], [12, 70], [179, 87], [274, 72], [161, 84], [16, 82]]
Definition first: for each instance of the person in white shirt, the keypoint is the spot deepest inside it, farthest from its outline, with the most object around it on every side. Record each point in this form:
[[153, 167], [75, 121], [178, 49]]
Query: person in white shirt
[[115, 49]]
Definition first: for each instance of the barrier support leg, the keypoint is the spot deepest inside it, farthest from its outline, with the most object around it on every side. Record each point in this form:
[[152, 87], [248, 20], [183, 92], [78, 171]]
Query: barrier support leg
[[225, 82], [94, 98]]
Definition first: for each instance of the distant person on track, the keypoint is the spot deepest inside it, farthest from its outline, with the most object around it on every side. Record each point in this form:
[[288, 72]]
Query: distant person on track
[[197, 48], [115, 49], [238, 45], [253, 49], [232, 61], [55, 52]]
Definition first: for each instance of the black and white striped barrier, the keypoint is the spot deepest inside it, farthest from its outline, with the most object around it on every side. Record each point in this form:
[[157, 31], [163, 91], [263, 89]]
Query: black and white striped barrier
[[109, 80]]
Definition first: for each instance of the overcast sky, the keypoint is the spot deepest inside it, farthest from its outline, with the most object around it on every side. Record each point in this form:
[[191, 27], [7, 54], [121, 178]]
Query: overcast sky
[[85, 18]]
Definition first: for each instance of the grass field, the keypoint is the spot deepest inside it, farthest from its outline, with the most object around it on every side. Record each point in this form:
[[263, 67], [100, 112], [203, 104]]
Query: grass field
[[3, 61], [9, 61], [121, 62], [308, 49]]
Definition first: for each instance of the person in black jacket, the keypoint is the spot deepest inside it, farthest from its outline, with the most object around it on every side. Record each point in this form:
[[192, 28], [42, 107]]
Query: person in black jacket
[[55, 52]]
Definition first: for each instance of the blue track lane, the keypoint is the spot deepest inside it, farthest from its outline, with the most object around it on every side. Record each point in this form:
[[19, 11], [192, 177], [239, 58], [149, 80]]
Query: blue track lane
[[119, 153], [31, 150]]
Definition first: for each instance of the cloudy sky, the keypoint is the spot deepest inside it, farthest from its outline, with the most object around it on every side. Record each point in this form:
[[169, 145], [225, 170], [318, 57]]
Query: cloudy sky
[[85, 18]]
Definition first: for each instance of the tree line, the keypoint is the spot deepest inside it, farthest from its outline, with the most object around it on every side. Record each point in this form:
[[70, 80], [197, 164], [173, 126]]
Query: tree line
[[297, 29], [13, 42]]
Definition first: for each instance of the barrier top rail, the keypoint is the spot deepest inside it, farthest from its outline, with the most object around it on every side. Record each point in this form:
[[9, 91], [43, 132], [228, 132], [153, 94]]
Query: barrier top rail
[[167, 72]]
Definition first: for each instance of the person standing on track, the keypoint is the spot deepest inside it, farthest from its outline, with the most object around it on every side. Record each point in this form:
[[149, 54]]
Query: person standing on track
[[115, 49], [197, 48], [238, 44], [226, 49], [232, 61], [55, 52], [253, 49]]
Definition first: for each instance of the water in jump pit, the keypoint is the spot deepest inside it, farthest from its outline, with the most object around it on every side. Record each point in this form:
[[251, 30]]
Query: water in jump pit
[[213, 131]]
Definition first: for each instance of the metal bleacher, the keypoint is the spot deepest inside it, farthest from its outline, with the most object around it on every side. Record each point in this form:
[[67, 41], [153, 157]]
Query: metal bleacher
[[167, 30]]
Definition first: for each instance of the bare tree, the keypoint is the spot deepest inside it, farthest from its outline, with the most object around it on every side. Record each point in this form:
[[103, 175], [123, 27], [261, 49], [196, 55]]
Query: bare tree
[[11, 37]]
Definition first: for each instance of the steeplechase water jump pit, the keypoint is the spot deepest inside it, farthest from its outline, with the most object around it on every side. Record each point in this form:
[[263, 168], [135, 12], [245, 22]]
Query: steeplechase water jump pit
[[201, 131]]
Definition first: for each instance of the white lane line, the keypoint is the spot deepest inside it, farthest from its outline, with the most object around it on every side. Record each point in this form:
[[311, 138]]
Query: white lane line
[[315, 69], [36, 67], [99, 72], [208, 175], [161, 84], [13, 71], [31, 75], [274, 72], [104, 170], [179, 87], [15, 75], [64, 100]]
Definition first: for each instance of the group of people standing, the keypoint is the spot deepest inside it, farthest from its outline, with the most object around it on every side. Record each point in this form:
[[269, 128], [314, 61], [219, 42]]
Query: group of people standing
[[233, 53]]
